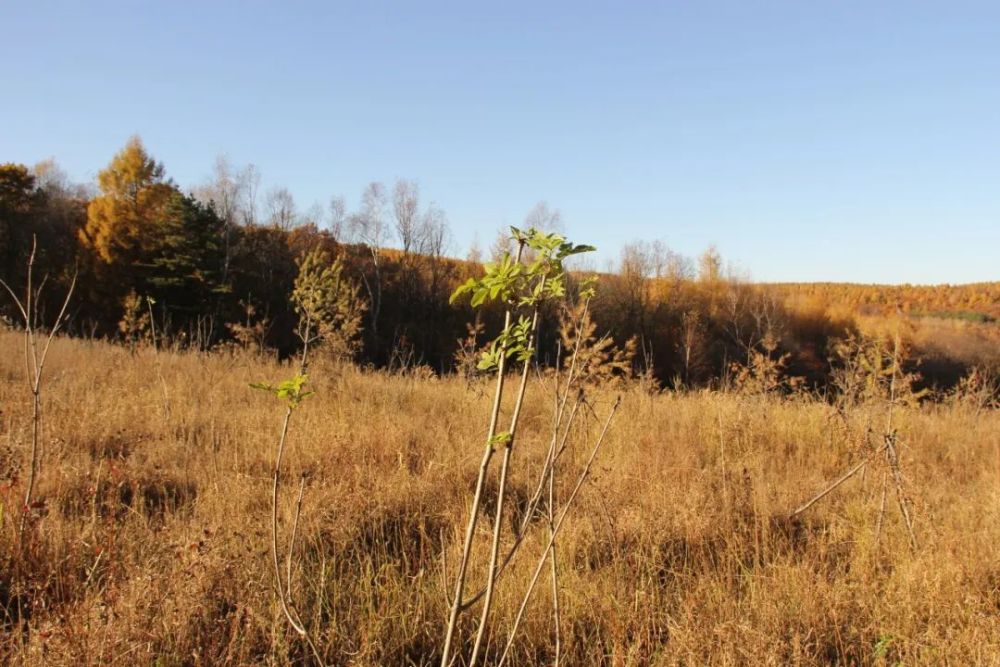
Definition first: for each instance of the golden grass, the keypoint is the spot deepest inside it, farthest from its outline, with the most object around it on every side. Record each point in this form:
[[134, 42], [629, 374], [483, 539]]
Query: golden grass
[[153, 544]]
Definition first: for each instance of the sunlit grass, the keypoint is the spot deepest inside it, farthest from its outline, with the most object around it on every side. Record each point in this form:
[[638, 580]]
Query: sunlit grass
[[152, 547]]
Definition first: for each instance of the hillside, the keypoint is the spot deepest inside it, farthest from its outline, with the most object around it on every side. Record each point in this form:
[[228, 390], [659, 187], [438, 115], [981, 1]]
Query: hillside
[[976, 302]]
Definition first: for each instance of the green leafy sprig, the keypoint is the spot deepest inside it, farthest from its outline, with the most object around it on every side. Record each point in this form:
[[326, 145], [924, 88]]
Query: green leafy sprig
[[522, 287], [290, 391]]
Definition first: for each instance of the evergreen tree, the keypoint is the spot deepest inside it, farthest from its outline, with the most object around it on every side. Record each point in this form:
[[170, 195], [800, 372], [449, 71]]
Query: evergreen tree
[[184, 260], [19, 203]]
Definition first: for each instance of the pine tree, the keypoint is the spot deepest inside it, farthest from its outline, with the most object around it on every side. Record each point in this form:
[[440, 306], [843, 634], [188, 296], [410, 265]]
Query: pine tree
[[185, 257], [19, 204]]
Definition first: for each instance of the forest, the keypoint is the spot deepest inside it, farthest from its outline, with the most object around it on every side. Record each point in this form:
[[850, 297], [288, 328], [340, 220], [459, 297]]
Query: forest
[[216, 265]]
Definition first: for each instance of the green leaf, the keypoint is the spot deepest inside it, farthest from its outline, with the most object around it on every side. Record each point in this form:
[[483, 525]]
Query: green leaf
[[569, 249], [462, 289], [557, 287], [488, 362], [502, 438], [289, 390]]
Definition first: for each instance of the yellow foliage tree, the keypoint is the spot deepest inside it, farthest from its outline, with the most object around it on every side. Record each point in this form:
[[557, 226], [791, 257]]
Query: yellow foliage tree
[[133, 195]]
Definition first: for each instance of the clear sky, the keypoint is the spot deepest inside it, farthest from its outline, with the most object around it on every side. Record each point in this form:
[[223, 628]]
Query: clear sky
[[810, 140]]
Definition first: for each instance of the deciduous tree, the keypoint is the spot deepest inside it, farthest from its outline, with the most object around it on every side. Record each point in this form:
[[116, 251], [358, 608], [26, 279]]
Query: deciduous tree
[[133, 195]]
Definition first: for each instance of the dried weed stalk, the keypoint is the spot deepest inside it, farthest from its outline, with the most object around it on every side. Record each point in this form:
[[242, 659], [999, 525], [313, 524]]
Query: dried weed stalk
[[36, 349]]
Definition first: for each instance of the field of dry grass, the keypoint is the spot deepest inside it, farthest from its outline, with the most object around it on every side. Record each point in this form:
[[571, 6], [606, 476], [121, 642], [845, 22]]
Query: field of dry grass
[[152, 544]]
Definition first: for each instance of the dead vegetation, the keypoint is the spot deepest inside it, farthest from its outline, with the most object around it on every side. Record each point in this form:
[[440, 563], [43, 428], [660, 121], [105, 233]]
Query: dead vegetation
[[147, 541]]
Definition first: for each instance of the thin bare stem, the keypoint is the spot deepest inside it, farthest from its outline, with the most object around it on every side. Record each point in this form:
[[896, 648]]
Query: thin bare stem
[[284, 592], [555, 451], [532, 507], [556, 447], [34, 366], [554, 566], [897, 478], [501, 497], [152, 326], [843, 478], [881, 507], [56, 326], [275, 492], [892, 381], [551, 518], [555, 530], [17, 301], [30, 306], [291, 540], [477, 499], [892, 458]]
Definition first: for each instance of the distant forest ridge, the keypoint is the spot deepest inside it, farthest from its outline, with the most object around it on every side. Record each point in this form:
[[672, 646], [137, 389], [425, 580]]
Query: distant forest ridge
[[221, 264], [978, 302]]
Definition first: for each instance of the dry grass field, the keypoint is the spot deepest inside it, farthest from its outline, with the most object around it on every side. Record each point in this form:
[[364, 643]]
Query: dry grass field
[[150, 543]]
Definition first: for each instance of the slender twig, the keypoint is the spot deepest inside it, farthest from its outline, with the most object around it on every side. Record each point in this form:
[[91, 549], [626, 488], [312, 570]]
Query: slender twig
[[881, 507], [477, 499], [892, 382], [897, 477], [501, 497], [892, 458], [34, 366], [555, 451], [555, 530], [291, 540], [529, 513], [551, 506], [556, 446], [554, 566], [843, 478], [275, 492], [284, 592], [17, 301], [152, 325]]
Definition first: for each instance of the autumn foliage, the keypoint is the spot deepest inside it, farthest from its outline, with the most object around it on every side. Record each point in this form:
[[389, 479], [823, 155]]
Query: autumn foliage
[[214, 267]]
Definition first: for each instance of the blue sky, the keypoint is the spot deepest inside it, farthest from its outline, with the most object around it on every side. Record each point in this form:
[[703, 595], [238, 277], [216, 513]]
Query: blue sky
[[850, 141]]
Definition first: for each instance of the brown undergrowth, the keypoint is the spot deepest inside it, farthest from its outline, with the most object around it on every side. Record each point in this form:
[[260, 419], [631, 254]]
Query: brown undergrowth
[[148, 543]]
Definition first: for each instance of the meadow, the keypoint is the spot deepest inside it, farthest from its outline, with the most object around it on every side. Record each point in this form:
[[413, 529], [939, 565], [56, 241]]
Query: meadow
[[149, 539]]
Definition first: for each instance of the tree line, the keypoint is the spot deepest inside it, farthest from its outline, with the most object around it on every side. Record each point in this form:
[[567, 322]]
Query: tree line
[[219, 264]]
